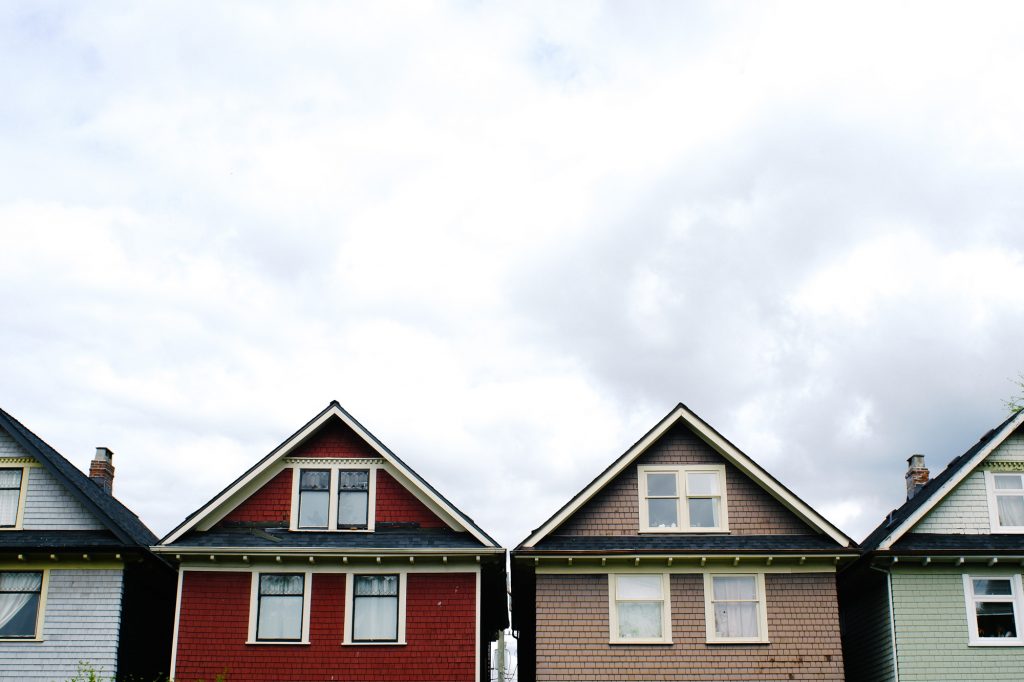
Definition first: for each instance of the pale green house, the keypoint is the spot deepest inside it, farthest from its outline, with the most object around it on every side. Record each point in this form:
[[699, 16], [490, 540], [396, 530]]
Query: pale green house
[[938, 593]]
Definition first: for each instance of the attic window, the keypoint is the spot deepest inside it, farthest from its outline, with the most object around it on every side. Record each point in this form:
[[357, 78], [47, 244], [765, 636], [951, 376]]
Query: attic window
[[1006, 501], [682, 499], [10, 496], [333, 499]]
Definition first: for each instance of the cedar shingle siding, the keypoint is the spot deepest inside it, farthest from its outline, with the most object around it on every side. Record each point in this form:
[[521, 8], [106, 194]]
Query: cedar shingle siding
[[803, 626], [614, 510]]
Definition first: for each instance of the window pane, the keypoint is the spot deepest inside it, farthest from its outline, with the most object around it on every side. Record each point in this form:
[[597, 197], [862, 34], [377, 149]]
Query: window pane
[[376, 585], [281, 584], [352, 507], [662, 513], [734, 587], [736, 619], [375, 618], [353, 480], [1011, 510], [990, 586], [9, 507], [280, 618], [18, 613], [639, 620], [10, 478], [995, 619], [1009, 482], [703, 512], [313, 506], [638, 587], [702, 483], [661, 484], [315, 480]]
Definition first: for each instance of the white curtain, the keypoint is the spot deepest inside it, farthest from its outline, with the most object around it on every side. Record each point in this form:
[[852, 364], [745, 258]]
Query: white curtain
[[639, 619], [736, 606], [375, 608], [280, 607], [10, 491], [16, 590], [1011, 510]]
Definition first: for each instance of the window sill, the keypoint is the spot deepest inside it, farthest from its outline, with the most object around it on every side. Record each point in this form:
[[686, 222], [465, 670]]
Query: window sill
[[996, 641], [331, 530], [643, 642], [267, 642], [6, 640], [374, 644], [686, 531], [738, 640]]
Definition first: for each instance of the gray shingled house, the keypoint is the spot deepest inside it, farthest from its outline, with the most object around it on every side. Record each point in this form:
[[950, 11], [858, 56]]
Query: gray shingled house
[[78, 583]]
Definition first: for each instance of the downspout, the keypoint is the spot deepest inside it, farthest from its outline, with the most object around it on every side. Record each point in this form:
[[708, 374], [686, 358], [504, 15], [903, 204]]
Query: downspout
[[892, 619]]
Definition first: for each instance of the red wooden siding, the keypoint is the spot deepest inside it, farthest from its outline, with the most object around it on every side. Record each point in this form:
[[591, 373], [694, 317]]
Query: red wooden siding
[[335, 439], [272, 502], [214, 623], [396, 504]]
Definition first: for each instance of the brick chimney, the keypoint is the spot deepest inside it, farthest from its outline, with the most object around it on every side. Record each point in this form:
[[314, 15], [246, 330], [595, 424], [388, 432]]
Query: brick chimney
[[101, 469], [917, 474]]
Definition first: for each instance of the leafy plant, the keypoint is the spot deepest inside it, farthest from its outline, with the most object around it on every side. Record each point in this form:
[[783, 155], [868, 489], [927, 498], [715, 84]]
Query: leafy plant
[[1015, 403]]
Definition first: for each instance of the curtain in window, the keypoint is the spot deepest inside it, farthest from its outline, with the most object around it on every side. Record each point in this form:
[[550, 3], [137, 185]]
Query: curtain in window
[[639, 605], [735, 606], [10, 491], [1011, 510], [353, 497], [19, 591], [280, 607], [375, 608], [314, 498]]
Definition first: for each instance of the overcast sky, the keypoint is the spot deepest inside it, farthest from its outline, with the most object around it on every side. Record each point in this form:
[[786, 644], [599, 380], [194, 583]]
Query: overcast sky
[[510, 237]]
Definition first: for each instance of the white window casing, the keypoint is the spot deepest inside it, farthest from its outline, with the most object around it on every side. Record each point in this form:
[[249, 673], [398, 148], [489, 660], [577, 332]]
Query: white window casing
[[639, 608], [351, 635], [336, 474], [735, 608], [1005, 501], [682, 499], [263, 628], [995, 606]]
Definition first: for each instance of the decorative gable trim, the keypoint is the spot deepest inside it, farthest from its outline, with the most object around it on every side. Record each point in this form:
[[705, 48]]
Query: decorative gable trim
[[937, 495], [730, 452], [217, 508]]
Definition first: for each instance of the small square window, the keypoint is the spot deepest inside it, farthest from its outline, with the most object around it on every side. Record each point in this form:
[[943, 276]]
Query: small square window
[[993, 610], [20, 595]]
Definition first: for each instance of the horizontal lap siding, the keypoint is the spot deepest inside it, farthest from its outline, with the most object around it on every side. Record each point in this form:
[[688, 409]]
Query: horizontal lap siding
[[615, 510], [81, 624], [963, 511], [214, 621], [573, 629], [931, 630], [1011, 450]]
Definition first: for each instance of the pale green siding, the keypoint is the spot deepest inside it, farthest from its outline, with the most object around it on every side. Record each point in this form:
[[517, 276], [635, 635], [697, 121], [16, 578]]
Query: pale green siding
[[1011, 450], [931, 629]]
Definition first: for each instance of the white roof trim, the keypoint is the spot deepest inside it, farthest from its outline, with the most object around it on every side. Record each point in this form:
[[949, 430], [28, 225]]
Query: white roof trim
[[936, 496], [723, 447], [424, 494]]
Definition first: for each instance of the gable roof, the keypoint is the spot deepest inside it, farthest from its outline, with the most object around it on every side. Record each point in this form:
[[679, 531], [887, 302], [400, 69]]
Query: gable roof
[[899, 521], [218, 506], [682, 414], [120, 520]]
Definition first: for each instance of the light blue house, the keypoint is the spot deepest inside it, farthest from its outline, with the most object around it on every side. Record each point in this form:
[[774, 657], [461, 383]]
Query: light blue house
[[938, 594]]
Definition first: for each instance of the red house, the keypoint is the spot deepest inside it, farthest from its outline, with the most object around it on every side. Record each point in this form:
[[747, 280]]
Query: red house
[[331, 559]]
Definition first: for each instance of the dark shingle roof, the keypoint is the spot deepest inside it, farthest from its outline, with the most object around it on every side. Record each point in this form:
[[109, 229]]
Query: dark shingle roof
[[34, 540], [124, 524], [708, 544], [283, 539], [958, 544], [902, 513]]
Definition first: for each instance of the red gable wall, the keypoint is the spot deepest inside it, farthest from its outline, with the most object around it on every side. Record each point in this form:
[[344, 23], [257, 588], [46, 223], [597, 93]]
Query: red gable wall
[[335, 439], [396, 504], [272, 502], [214, 622]]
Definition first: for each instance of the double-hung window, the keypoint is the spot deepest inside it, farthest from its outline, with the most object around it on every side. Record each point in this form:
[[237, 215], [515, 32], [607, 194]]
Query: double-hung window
[[333, 499], [20, 596], [281, 607], [734, 608], [1006, 501], [10, 496], [680, 499], [994, 610], [639, 608], [375, 608]]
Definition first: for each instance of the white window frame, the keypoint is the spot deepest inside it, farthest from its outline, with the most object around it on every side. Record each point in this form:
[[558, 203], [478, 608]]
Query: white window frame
[[1016, 597], [25, 471], [682, 508], [709, 610], [350, 592], [993, 505], [41, 612], [254, 607], [613, 612], [332, 505]]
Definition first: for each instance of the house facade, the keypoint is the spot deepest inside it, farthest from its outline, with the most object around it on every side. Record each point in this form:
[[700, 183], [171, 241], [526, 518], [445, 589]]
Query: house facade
[[331, 559], [683, 560], [938, 594], [78, 583]]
